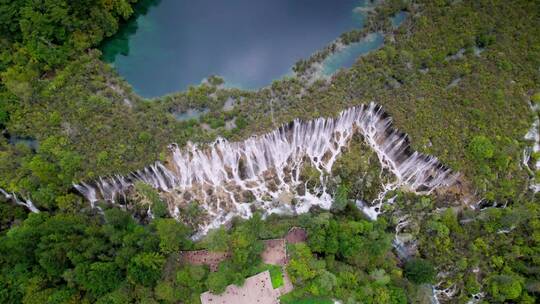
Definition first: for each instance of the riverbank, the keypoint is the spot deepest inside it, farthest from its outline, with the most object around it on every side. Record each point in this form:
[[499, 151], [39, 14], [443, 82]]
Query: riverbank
[[257, 43]]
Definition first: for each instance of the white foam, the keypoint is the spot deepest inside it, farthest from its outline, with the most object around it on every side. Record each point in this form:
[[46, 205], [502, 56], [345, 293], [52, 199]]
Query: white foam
[[25, 202], [269, 165]]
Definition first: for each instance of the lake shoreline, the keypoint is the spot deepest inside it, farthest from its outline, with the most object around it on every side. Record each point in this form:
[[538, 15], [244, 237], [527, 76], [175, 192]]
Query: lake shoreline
[[250, 67]]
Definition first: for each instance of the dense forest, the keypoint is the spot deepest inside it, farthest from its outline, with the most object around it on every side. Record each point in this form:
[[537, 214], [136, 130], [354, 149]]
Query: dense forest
[[461, 78]]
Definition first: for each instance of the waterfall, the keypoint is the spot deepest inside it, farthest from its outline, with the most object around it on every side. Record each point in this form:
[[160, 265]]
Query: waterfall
[[24, 202], [533, 135], [443, 293], [265, 170]]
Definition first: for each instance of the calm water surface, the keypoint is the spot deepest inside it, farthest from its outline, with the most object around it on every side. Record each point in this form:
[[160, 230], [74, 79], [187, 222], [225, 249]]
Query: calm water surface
[[178, 43], [347, 56]]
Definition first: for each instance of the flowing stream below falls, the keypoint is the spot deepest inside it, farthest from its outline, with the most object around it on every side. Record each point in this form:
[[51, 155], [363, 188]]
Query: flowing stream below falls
[[230, 179]]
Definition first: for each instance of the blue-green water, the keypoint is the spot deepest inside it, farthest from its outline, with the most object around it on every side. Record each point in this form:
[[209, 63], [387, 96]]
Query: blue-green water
[[398, 18], [178, 43], [29, 142], [190, 114], [347, 56]]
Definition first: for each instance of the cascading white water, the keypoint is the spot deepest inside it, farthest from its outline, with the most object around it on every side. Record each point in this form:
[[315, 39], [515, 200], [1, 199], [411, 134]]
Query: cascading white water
[[24, 202], [533, 135], [226, 178]]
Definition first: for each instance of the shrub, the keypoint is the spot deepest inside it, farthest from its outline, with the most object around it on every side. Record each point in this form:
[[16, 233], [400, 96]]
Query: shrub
[[145, 268], [504, 287], [481, 148]]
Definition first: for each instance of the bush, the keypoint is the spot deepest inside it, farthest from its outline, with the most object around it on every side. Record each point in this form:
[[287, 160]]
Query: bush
[[485, 40], [341, 198], [481, 148], [145, 268], [165, 291], [217, 282], [276, 275], [173, 235], [503, 287], [536, 98]]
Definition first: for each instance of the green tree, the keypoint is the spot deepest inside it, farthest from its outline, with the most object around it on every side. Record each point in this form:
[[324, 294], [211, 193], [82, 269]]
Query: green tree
[[481, 148], [218, 240], [99, 278], [148, 196], [173, 235], [326, 281], [419, 271], [341, 198], [167, 292], [145, 268], [303, 266], [504, 287], [245, 246], [119, 296], [217, 282]]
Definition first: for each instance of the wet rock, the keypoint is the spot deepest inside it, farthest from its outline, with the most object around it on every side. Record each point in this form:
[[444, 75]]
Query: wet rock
[[229, 104], [285, 198]]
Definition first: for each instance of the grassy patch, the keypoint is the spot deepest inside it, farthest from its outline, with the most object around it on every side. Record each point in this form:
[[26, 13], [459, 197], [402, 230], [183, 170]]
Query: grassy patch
[[276, 275], [312, 301]]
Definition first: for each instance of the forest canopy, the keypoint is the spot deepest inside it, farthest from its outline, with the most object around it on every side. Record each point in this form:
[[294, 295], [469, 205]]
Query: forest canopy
[[459, 77]]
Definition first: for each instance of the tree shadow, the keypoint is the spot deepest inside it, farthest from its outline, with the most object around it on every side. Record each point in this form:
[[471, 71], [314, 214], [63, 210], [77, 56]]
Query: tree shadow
[[119, 42]]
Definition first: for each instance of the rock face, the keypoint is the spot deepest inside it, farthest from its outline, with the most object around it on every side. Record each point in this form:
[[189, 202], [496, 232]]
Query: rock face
[[228, 178], [285, 198]]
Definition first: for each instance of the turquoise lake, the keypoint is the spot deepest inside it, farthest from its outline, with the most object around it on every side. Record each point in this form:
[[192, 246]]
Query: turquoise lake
[[346, 57], [176, 43]]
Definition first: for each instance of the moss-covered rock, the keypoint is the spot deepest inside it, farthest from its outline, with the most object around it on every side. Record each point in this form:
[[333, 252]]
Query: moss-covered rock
[[359, 168]]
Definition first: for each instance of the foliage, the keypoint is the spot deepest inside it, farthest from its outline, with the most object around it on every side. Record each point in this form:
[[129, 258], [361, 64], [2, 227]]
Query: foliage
[[311, 301], [420, 271], [87, 122], [491, 250], [148, 196], [536, 98], [217, 282], [481, 148], [359, 171], [173, 235], [276, 276], [347, 259], [48, 33], [504, 287], [190, 282], [341, 198], [75, 256], [218, 240], [145, 268]]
